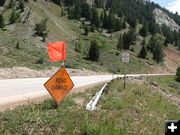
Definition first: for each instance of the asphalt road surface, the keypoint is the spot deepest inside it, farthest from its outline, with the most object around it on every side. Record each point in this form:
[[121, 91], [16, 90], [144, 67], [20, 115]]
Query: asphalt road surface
[[17, 90]]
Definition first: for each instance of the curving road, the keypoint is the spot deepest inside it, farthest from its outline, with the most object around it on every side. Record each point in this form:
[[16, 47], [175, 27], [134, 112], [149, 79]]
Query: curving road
[[17, 90]]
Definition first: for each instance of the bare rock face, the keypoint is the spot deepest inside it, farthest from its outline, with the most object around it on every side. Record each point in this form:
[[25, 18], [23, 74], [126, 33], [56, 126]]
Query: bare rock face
[[162, 18]]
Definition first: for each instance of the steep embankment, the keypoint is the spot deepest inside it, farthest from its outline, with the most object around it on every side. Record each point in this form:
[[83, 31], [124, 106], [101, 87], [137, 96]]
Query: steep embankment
[[172, 59]]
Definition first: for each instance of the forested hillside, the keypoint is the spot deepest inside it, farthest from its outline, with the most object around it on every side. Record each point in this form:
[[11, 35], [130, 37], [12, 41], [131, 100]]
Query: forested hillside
[[97, 33]]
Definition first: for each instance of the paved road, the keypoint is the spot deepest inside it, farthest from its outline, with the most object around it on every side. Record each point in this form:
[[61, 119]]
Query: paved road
[[16, 90]]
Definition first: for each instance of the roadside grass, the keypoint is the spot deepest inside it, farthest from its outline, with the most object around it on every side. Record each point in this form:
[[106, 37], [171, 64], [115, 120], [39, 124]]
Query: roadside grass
[[136, 110], [168, 83]]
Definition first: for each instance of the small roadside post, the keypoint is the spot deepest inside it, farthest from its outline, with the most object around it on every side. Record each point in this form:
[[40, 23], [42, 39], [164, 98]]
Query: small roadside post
[[125, 60]]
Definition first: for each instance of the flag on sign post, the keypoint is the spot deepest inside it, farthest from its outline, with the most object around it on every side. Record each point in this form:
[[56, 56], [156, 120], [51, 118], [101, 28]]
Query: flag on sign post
[[56, 51]]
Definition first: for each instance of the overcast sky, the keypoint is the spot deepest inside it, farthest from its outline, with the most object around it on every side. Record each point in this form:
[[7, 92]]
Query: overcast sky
[[172, 5]]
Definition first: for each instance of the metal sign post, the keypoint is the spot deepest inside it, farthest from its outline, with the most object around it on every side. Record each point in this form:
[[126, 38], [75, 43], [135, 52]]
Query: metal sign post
[[125, 75], [125, 60]]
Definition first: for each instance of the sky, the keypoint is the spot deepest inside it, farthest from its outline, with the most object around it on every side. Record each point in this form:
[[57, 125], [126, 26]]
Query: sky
[[171, 5]]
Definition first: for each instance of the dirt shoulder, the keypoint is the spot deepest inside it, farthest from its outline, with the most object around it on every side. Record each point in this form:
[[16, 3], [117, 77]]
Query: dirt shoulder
[[172, 59], [23, 72]]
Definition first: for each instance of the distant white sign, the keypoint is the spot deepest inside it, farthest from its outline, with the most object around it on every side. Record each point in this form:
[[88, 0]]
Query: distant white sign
[[125, 57]]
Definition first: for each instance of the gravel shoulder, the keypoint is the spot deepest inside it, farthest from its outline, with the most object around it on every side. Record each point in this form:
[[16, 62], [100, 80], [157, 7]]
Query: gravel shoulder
[[24, 72]]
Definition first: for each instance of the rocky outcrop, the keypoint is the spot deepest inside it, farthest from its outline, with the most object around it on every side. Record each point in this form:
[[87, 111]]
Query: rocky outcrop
[[162, 18]]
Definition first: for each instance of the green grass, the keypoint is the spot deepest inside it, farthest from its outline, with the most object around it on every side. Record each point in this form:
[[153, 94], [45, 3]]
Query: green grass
[[168, 83], [136, 110]]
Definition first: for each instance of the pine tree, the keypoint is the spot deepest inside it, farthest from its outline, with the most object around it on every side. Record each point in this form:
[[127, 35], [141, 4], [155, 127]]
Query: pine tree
[[99, 3], [158, 54], [105, 20], [94, 51], [95, 18], [63, 12], [118, 24], [2, 2], [120, 43], [128, 39], [124, 25], [11, 4], [92, 28], [143, 52], [1, 21], [13, 17], [86, 30], [178, 74], [154, 40], [111, 22], [144, 42], [77, 10], [154, 28], [21, 5], [144, 30]]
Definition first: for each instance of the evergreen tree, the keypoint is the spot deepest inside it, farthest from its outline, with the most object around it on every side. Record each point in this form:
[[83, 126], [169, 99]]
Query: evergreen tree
[[99, 3], [132, 21], [94, 51], [11, 3], [178, 74], [144, 30], [128, 39], [2, 2], [176, 38], [86, 30], [111, 22], [21, 5], [118, 24], [124, 25], [154, 28], [105, 20], [144, 42], [1, 21], [77, 9], [168, 34], [102, 17], [86, 11], [120, 43], [13, 17], [92, 28], [143, 52], [58, 2], [95, 18], [63, 12], [158, 54], [156, 38]]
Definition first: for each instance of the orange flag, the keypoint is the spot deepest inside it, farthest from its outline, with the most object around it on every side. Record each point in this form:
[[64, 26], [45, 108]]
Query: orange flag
[[56, 51]]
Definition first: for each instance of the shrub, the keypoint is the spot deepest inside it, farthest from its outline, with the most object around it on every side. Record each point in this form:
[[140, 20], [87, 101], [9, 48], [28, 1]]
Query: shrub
[[41, 29], [178, 74], [78, 47]]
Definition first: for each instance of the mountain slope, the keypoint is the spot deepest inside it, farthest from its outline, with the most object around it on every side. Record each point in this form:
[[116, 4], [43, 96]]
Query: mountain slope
[[20, 47]]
